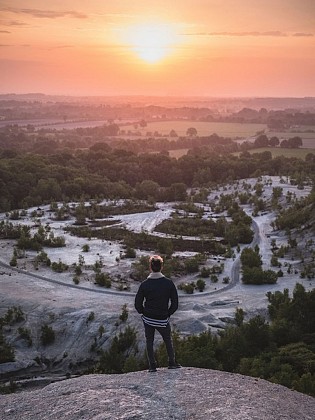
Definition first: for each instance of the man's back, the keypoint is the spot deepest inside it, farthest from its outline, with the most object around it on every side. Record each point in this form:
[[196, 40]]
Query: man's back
[[157, 292]]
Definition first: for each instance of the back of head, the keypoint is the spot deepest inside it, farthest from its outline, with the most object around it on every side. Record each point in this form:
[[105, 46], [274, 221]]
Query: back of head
[[156, 263]]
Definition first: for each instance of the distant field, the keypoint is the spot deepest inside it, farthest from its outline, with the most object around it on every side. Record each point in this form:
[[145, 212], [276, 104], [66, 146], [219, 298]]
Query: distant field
[[178, 153], [307, 138], [203, 128], [298, 153]]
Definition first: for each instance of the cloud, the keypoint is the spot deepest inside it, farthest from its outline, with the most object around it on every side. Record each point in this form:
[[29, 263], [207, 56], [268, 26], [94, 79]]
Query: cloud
[[12, 23], [302, 34], [48, 14], [60, 47], [11, 45], [253, 33], [5, 32]]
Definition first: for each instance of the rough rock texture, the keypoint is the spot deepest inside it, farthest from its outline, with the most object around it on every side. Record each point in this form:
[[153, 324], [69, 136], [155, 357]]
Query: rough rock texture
[[186, 393]]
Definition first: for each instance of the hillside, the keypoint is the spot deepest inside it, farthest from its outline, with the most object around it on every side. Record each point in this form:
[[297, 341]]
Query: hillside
[[183, 394]]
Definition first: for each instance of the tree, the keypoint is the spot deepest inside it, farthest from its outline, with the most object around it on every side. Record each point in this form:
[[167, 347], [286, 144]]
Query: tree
[[47, 335], [6, 350], [250, 258], [191, 132], [295, 142], [261, 141], [200, 284], [274, 141]]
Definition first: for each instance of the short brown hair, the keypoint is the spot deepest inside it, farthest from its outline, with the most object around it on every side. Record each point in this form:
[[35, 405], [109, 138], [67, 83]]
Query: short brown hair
[[156, 263]]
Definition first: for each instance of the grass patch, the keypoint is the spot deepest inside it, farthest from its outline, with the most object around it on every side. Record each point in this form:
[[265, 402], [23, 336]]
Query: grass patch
[[203, 128], [279, 151]]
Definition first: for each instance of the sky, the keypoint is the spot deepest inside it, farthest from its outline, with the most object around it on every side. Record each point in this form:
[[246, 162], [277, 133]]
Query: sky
[[238, 48]]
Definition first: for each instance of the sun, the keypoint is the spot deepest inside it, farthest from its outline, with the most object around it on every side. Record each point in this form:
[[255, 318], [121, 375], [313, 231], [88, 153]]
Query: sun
[[152, 42]]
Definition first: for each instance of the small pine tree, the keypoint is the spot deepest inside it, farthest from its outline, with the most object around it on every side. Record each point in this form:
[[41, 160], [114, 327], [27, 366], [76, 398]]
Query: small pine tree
[[124, 314]]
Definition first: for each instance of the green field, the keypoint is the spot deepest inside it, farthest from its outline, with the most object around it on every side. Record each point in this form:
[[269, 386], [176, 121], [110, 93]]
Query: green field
[[232, 130], [178, 153], [308, 138], [278, 151], [299, 153]]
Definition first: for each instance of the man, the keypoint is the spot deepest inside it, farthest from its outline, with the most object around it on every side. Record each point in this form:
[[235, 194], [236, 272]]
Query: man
[[152, 301]]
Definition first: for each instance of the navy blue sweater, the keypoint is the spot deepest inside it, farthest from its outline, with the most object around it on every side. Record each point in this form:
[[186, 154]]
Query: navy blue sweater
[[153, 297]]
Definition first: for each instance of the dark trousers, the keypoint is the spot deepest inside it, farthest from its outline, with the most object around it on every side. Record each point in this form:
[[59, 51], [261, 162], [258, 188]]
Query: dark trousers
[[166, 335]]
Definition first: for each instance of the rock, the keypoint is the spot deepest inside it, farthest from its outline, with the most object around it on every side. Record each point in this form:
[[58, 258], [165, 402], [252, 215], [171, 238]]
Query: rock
[[186, 393], [191, 326], [224, 302]]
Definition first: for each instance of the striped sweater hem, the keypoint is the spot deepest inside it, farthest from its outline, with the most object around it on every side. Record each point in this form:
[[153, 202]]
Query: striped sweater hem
[[155, 322]]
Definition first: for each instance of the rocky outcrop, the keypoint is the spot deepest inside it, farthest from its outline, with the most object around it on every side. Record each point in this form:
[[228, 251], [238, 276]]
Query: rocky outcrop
[[186, 393]]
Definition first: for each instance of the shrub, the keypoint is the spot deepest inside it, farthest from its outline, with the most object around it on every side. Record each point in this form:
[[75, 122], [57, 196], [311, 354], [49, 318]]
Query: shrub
[[91, 317], [6, 350], [130, 253], [13, 261], [26, 335], [187, 287], [78, 270], [122, 348], [85, 248], [214, 278], [47, 335], [124, 314], [205, 272], [59, 267], [200, 285], [13, 315], [103, 279]]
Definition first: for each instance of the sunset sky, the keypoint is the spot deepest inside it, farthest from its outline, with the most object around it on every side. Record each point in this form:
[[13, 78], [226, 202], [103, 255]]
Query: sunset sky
[[173, 47]]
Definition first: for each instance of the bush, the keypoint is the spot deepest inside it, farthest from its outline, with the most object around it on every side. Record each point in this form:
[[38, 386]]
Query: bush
[[187, 287], [130, 253], [124, 314], [103, 279], [47, 335], [91, 317], [200, 285], [6, 350], [85, 248], [59, 267], [26, 335], [76, 280], [205, 272], [117, 358]]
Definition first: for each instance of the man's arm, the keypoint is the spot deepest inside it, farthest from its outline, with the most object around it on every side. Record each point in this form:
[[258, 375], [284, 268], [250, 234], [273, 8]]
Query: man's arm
[[174, 300], [139, 300]]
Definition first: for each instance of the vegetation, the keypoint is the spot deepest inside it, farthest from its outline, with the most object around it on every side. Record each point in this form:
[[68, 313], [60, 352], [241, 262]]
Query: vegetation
[[252, 271], [25, 334], [282, 352], [47, 335], [103, 279], [13, 316], [29, 179], [120, 357], [124, 313]]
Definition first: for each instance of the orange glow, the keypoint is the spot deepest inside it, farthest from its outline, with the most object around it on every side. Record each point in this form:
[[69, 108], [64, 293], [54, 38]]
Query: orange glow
[[190, 47], [151, 41]]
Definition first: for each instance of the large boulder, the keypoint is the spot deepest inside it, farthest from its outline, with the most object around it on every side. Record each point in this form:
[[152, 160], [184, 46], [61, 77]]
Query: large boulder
[[186, 393]]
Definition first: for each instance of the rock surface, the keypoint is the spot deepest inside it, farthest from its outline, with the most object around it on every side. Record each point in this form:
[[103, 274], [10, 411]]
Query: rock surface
[[186, 393]]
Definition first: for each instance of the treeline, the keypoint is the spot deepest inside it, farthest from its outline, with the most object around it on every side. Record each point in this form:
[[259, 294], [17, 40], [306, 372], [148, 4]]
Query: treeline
[[301, 213], [28, 179], [282, 351], [104, 137]]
